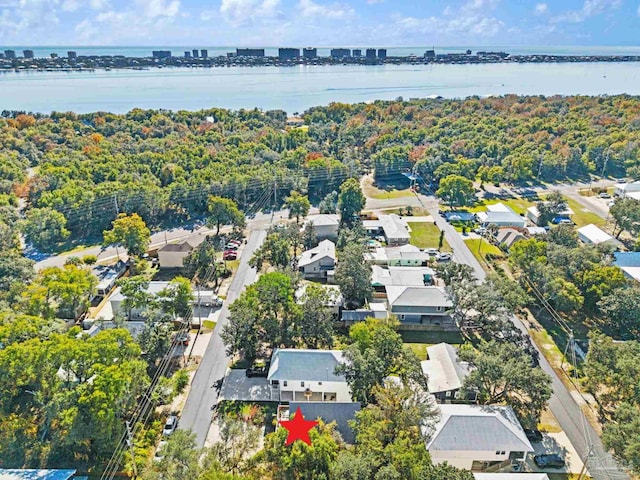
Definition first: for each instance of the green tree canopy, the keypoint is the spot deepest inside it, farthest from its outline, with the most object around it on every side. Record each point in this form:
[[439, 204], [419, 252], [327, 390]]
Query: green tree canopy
[[224, 211], [456, 191], [44, 227], [131, 232], [351, 201], [298, 205]]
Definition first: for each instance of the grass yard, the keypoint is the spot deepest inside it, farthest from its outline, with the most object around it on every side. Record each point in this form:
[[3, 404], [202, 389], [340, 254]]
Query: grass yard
[[420, 349], [210, 324], [518, 205], [426, 235], [485, 248], [582, 216], [372, 191]]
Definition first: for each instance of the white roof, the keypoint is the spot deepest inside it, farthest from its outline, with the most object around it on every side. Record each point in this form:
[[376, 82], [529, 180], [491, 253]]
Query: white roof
[[632, 272], [305, 365], [535, 230], [394, 227], [444, 370], [324, 219], [595, 235], [325, 248], [628, 187], [499, 207], [417, 296], [478, 428], [633, 195], [406, 276]]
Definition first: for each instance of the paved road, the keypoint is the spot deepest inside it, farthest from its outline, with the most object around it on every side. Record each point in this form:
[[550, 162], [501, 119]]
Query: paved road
[[600, 465], [198, 410]]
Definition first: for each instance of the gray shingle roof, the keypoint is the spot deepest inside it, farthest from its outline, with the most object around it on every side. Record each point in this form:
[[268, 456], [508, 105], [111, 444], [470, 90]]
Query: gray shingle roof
[[329, 412], [478, 428], [400, 296], [305, 365]]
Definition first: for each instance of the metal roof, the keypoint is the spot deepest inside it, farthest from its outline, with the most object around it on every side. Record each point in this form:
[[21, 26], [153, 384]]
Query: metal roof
[[399, 296], [478, 428], [325, 249], [445, 372], [305, 365]]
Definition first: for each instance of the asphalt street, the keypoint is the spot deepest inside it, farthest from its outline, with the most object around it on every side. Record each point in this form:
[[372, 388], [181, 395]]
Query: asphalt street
[[203, 395]]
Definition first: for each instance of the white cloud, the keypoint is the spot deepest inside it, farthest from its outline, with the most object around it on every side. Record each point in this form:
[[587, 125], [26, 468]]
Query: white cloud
[[99, 4], [246, 12], [73, 5], [373, 2], [30, 16], [70, 5], [159, 8], [590, 8], [541, 9], [308, 8]]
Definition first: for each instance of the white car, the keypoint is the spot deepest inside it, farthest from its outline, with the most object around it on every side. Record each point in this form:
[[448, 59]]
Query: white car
[[444, 257], [170, 425]]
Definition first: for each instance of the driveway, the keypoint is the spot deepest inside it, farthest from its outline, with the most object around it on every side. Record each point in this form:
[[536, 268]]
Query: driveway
[[556, 443], [203, 396]]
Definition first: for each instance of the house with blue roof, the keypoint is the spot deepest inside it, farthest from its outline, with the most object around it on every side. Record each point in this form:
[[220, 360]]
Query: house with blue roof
[[629, 263], [36, 474]]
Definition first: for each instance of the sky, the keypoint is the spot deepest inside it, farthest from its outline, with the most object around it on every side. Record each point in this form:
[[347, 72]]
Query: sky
[[319, 22]]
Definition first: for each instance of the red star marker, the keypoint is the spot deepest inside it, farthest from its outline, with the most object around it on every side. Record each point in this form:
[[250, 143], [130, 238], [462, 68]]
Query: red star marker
[[298, 428]]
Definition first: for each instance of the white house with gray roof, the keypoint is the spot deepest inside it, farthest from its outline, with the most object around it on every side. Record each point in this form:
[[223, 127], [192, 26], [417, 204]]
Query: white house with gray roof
[[478, 437], [419, 304], [325, 225], [501, 215], [393, 227], [445, 371], [319, 261], [297, 375]]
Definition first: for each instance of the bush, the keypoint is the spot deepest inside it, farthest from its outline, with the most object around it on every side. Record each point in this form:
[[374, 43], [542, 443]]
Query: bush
[[89, 259], [73, 260], [180, 381]]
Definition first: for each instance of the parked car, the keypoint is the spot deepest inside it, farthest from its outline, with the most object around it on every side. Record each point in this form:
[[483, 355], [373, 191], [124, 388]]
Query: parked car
[[480, 230], [183, 338], [604, 195], [257, 372], [533, 434], [444, 257], [170, 425], [235, 242], [231, 246], [550, 460], [230, 255]]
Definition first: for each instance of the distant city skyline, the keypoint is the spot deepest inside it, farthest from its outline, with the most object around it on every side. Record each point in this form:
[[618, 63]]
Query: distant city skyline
[[319, 23]]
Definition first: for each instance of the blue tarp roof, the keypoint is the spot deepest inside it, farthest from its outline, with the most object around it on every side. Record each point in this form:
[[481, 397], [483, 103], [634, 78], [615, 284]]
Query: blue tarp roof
[[35, 474], [462, 216], [627, 259]]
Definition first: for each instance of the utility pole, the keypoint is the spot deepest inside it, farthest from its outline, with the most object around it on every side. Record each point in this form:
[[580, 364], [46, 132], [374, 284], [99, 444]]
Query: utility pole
[[539, 167], [131, 446], [115, 201], [584, 463], [606, 160]]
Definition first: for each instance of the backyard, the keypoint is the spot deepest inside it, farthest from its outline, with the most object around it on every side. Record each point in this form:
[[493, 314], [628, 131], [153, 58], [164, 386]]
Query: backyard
[[427, 235]]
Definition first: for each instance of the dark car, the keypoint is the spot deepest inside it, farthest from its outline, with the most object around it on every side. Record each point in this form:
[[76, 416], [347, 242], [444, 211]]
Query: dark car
[[551, 460], [257, 371], [533, 434], [183, 338]]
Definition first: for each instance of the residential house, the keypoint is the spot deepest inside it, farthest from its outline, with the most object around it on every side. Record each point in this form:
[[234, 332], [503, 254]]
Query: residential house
[[591, 234], [533, 231], [478, 437], [392, 227], [623, 189], [325, 225], [419, 305], [629, 263], [509, 236], [500, 215], [107, 276], [533, 214], [374, 310], [297, 375], [445, 372], [205, 297], [341, 413], [336, 300], [403, 276], [404, 256], [172, 255], [319, 262]]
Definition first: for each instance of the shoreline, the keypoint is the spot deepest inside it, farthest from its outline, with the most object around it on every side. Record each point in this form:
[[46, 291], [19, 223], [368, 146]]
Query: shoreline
[[107, 63]]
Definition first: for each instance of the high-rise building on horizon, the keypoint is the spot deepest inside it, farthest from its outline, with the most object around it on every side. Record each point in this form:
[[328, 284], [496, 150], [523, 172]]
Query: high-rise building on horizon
[[249, 52], [310, 53], [371, 54], [27, 54], [340, 52], [161, 54], [71, 55], [10, 54], [287, 54], [187, 54], [357, 53], [382, 53], [204, 53], [194, 53]]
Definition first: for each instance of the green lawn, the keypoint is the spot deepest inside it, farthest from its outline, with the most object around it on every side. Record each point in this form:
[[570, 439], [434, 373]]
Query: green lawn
[[582, 216], [209, 324], [518, 205], [485, 248], [420, 349], [426, 235]]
